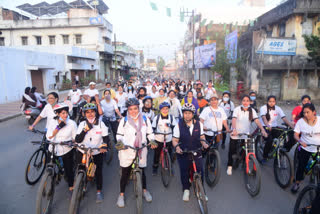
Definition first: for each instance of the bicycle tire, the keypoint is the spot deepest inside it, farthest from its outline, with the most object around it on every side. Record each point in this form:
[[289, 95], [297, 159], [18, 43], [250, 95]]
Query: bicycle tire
[[212, 167], [77, 194], [284, 174], [201, 196], [256, 173], [138, 192], [46, 181], [295, 162], [42, 165], [165, 169], [259, 148], [309, 191], [108, 156]]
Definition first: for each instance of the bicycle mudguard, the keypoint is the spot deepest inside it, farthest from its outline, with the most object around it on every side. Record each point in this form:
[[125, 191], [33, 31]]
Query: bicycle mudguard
[[247, 162]]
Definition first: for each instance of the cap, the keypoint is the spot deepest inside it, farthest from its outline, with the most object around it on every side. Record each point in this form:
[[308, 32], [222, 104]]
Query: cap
[[92, 83], [214, 96]]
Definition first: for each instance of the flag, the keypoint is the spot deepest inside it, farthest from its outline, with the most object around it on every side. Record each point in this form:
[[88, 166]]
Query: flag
[[210, 24], [153, 6], [251, 23], [208, 38], [169, 12], [203, 22], [181, 16], [224, 26], [227, 31]]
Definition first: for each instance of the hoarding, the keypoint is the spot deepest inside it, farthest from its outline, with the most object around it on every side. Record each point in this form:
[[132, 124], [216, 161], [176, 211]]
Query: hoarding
[[205, 56], [231, 42], [271, 46]]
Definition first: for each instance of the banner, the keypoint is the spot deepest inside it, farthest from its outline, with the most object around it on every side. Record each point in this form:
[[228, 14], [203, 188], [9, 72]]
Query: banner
[[231, 43], [205, 56], [271, 46]]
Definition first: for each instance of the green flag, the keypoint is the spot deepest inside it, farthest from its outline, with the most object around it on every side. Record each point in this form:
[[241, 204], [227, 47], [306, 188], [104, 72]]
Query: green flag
[[153, 6], [203, 22], [227, 31], [181, 16], [169, 12], [198, 41], [224, 26], [208, 38], [251, 23], [210, 24]]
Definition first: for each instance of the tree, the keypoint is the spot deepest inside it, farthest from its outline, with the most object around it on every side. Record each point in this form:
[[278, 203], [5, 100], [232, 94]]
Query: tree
[[313, 46], [161, 63]]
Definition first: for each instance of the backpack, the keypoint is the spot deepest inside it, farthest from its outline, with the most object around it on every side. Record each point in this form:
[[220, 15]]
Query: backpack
[[126, 119]]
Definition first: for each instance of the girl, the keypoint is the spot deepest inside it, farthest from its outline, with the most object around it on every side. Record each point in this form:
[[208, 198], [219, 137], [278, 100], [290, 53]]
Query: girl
[[154, 94], [147, 108], [131, 91], [190, 99], [296, 113], [122, 97], [162, 97], [228, 107], [175, 107]]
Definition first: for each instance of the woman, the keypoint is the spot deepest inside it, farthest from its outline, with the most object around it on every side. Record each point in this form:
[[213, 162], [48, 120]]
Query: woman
[[296, 113], [62, 129], [147, 108], [210, 91], [202, 102], [242, 118], [308, 128], [28, 99], [190, 99], [253, 102], [154, 94], [142, 93], [122, 97], [133, 130], [47, 112], [175, 107], [41, 101], [131, 91], [228, 107], [93, 133], [162, 97]]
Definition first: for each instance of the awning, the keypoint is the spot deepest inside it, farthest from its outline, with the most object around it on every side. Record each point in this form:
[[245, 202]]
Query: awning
[[38, 67]]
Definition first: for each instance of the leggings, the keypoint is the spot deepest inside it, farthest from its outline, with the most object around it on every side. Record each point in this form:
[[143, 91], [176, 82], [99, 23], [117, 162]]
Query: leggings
[[125, 174], [303, 158], [232, 150], [274, 133], [98, 161], [157, 152]]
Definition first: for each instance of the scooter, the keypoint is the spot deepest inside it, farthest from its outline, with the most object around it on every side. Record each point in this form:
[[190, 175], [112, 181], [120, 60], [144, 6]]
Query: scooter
[[31, 114]]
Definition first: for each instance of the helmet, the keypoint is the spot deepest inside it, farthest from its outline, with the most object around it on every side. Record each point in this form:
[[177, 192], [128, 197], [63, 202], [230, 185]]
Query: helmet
[[147, 98], [188, 107], [164, 104], [57, 108], [132, 102], [226, 92], [89, 106]]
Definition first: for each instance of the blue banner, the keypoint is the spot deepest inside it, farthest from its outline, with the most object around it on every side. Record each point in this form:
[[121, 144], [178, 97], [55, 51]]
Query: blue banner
[[205, 56], [231, 43]]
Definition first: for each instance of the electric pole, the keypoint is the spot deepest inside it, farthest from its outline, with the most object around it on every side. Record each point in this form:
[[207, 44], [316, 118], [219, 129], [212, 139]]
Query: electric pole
[[115, 55]]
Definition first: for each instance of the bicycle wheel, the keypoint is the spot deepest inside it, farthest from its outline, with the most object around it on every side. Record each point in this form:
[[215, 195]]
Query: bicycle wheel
[[252, 176], [45, 193], [165, 169], [35, 167], [109, 154], [77, 194], [283, 170], [201, 196], [212, 167], [295, 162], [304, 201], [138, 192], [259, 148]]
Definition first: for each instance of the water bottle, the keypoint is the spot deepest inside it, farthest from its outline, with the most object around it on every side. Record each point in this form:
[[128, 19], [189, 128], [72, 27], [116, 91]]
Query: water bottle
[[309, 166], [61, 162]]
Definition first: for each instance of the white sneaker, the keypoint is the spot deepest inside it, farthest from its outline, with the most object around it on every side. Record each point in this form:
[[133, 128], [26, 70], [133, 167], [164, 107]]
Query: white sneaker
[[147, 196], [186, 195], [229, 170], [120, 202]]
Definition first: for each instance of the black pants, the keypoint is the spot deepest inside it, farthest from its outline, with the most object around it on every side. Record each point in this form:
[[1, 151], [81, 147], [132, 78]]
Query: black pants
[[98, 161], [232, 150], [125, 174], [74, 113], [224, 135], [274, 133], [157, 152], [303, 158]]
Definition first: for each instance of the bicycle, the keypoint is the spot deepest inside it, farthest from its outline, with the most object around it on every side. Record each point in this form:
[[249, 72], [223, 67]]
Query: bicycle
[[282, 164], [85, 172], [108, 156], [37, 162], [212, 169], [246, 155], [136, 174], [196, 180], [308, 200], [52, 177], [165, 161]]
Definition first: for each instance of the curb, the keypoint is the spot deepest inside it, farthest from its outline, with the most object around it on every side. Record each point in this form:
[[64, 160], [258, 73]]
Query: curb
[[9, 117]]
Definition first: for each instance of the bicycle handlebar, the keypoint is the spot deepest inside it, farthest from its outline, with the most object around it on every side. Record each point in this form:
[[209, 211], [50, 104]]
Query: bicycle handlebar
[[191, 151], [215, 132], [36, 131], [163, 133], [134, 148]]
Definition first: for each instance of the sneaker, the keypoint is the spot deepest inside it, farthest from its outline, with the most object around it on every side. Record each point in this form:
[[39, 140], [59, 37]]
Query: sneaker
[[120, 202], [147, 196], [295, 188], [186, 195], [229, 170], [154, 171], [99, 197]]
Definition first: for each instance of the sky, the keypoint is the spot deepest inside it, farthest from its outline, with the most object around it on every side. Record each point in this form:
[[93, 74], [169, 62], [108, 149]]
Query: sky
[[135, 23]]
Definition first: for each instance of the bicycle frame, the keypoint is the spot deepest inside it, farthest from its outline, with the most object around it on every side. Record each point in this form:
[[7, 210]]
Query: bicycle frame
[[164, 148], [247, 150]]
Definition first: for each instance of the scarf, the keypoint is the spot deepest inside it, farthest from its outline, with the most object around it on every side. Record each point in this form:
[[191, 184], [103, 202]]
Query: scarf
[[138, 140]]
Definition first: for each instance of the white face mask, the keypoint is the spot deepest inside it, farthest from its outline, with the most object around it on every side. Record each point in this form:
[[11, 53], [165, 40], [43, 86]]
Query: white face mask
[[136, 117], [226, 99], [91, 120]]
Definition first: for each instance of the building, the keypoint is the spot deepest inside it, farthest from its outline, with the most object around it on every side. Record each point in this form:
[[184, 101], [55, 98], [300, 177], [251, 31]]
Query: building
[[150, 65], [276, 59]]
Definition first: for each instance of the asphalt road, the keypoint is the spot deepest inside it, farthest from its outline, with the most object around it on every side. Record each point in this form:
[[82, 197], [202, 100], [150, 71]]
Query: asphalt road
[[228, 197]]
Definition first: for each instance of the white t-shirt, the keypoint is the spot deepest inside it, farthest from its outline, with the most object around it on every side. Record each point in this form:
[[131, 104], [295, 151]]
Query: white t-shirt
[[131, 94], [127, 134], [274, 115], [243, 124], [48, 113], [210, 92], [176, 130], [228, 108], [122, 98], [74, 95], [163, 126], [212, 120], [67, 133], [149, 115], [149, 89], [94, 136], [109, 108], [175, 107], [91, 93], [154, 95], [309, 134]]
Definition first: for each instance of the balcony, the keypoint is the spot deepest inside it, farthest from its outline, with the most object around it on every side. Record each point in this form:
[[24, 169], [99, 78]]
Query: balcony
[[107, 48]]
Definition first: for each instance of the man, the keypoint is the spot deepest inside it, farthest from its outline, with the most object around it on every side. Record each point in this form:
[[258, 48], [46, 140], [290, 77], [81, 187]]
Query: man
[[76, 78], [90, 92], [75, 96], [188, 132], [108, 87]]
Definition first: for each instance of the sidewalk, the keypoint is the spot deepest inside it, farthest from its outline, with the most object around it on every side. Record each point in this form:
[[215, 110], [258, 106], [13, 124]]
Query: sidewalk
[[12, 109]]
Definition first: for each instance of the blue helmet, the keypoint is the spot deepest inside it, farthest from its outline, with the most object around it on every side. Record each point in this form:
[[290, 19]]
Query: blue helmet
[[147, 98], [164, 104]]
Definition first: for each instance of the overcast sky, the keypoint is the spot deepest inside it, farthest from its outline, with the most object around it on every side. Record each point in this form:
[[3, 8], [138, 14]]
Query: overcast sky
[[135, 23]]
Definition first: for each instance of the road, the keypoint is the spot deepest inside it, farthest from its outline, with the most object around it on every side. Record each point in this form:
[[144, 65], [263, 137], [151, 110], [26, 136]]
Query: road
[[228, 197]]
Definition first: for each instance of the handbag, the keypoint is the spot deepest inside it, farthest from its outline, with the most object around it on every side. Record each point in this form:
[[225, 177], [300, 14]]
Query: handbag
[[219, 136]]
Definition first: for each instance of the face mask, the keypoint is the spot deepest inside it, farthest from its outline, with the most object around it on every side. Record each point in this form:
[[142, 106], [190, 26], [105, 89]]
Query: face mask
[[136, 116], [108, 97], [252, 98], [91, 120], [183, 84], [129, 87], [163, 114], [226, 99], [161, 95], [244, 106]]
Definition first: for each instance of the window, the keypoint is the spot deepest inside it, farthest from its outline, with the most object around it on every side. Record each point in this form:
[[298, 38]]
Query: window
[[65, 39], [282, 32], [52, 40], [24, 40], [38, 40], [78, 39], [1, 41]]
